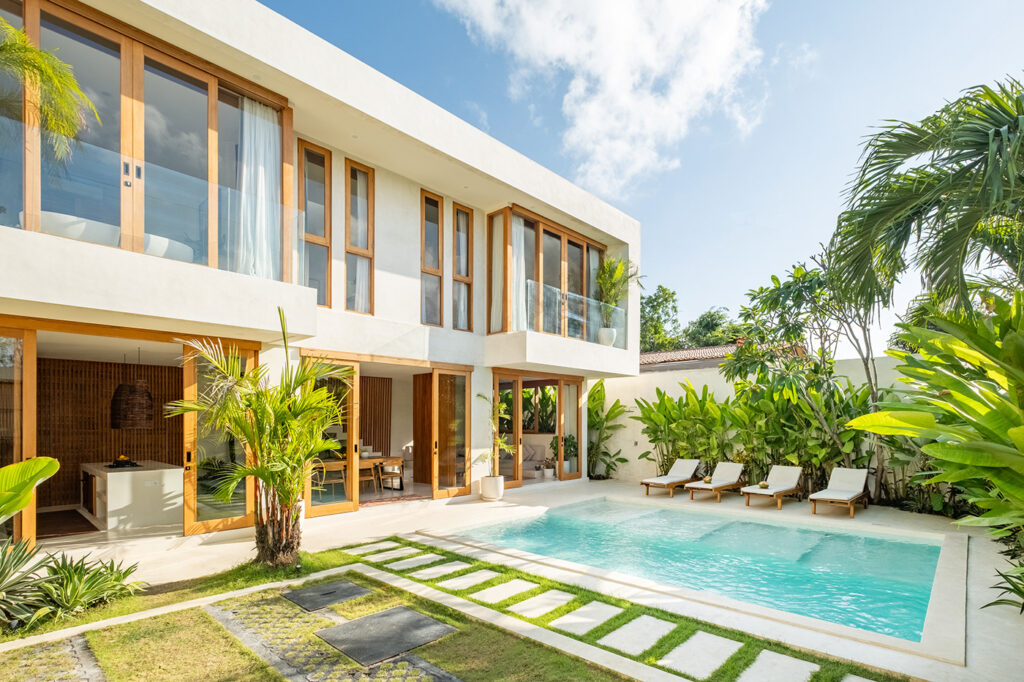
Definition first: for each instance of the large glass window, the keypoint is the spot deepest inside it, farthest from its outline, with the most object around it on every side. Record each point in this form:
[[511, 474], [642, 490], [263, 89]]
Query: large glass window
[[11, 135], [218, 453], [552, 259], [575, 302], [496, 268], [359, 238], [432, 263], [11, 367], [462, 277], [81, 190], [315, 201]]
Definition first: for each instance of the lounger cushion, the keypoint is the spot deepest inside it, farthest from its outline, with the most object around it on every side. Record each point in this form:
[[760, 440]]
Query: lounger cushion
[[780, 479], [830, 494], [682, 470], [726, 473], [847, 479], [770, 490]]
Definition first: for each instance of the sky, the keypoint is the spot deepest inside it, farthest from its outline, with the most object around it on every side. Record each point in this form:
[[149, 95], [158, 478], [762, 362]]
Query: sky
[[728, 128]]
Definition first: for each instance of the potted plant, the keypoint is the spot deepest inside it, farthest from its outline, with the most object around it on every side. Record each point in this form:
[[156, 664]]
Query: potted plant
[[492, 487], [549, 467], [613, 278]]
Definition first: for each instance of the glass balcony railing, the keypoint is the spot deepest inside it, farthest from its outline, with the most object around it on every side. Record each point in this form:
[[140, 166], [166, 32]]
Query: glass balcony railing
[[540, 307], [91, 194]]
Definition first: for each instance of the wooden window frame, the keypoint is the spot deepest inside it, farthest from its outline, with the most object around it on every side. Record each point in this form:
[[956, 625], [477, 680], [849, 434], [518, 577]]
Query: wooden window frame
[[490, 269], [466, 279], [349, 248], [136, 46], [424, 270], [325, 241]]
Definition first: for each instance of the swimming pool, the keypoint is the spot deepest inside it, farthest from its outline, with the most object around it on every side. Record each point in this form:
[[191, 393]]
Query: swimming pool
[[872, 582]]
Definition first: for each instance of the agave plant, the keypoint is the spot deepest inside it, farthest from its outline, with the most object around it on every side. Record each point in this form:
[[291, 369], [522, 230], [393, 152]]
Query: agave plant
[[22, 601], [76, 584]]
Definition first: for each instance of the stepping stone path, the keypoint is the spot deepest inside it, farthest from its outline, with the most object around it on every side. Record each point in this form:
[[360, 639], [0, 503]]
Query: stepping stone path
[[638, 635], [384, 634], [464, 582], [493, 595], [772, 667], [320, 596], [701, 655], [375, 547], [413, 562], [438, 571], [545, 602], [856, 678], [586, 618], [392, 554]]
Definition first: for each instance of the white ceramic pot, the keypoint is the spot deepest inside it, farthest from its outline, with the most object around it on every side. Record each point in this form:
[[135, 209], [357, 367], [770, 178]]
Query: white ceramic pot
[[549, 473], [492, 488], [606, 336]]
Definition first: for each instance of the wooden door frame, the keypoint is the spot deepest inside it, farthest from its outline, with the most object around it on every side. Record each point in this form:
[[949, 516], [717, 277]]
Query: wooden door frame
[[352, 477], [435, 394], [190, 524], [517, 422], [25, 520], [562, 384]]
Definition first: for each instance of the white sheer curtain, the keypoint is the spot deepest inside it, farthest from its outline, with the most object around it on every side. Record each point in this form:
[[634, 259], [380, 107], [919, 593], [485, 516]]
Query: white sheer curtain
[[497, 271], [257, 232], [460, 305], [518, 290], [362, 289]]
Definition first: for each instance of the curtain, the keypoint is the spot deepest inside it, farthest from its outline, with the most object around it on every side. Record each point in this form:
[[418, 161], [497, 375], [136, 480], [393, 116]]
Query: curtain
[[497, 272], [362, 292], [256, 235], [460, 305], [518, 291]]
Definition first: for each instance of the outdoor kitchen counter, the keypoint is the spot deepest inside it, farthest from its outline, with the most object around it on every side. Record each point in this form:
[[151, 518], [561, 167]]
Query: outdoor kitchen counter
[[150, 494]]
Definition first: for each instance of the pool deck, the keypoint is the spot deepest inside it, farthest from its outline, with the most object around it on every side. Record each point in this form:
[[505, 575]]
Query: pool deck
[[986, 640]]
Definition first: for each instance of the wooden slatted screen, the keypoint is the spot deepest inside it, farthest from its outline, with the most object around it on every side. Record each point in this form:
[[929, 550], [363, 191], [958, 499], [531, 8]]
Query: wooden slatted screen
[[73, 406], [375, 413]]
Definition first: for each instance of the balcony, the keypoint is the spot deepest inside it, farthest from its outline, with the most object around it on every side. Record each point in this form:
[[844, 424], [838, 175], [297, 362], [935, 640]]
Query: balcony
[[548, 309]]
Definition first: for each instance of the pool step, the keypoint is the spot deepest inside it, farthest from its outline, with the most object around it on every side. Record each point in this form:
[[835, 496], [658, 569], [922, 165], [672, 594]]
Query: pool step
[[701, 655], [586, 618], [638, 635], [772, 667]]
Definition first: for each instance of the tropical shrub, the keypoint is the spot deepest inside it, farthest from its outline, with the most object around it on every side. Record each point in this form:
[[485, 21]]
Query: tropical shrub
[[75, 585], [693, 426], [614, 276], [22, 576], [18, 480], [601, 426], [660, 420]]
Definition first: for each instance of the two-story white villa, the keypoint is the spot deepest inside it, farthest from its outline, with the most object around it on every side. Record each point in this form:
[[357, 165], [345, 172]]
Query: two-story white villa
[[241, 164]]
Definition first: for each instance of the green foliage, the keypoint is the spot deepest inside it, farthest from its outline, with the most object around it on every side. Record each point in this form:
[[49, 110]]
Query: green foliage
[[613, 279], [63, 107], [76, 585], [22, 602], [942, 195], [499, 416], [692, 426], [547, 409], [712, 328], [571, 449], [659, 321], [18, 480], [602, 424], [282, 427]]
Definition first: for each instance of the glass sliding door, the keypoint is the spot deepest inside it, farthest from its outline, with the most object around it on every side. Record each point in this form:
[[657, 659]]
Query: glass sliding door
[[175, 179], [576, 305], [569, 426], [17, 410], [551, 258], [81, 194], [208, 455], [332, 487], [451, 426], [508, 391]]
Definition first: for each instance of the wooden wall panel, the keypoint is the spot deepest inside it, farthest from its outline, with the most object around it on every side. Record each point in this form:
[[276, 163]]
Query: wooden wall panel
[[422, 447], [375, 413], [74, 420]]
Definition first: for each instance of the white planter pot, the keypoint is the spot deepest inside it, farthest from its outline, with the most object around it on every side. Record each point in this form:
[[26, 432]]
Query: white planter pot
[[549, 473], [492, 488], [606, 336]]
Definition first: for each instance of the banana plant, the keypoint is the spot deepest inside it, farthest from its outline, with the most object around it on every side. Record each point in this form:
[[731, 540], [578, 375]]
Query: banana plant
[[18, 480], [601, 426], [661, 426]]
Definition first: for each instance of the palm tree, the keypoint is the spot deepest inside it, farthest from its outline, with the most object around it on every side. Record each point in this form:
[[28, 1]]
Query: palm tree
[[281, 426], [944, 195], [62, 106]]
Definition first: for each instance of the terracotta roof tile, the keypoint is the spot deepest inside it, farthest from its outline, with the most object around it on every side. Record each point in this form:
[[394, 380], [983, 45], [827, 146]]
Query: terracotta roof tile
[[706, 353]]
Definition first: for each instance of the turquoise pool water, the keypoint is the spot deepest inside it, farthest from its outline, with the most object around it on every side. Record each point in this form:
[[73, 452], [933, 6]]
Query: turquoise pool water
[[868, 582]]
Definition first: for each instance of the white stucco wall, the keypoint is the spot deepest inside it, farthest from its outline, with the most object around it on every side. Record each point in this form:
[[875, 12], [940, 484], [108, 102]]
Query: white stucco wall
[[628, 389]]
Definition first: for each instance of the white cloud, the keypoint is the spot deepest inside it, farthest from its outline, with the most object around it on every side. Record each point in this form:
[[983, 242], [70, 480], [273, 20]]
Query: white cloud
[[480, 113], [536, 119], [639, 72]]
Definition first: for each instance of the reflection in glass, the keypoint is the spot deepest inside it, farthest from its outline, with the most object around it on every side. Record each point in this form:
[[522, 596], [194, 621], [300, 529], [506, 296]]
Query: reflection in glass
[[462, 255], [81, 194], [574, 279], [330, 481], [217, 453], [316, 270], [552, 283], [593, 308], [431, 234], [11, 134], [496, 300], [451, 431], [430, 303], [359, 208], [530, 270], [315, 192], [506, 428], [570, 441], [176, 173], [11, 350]]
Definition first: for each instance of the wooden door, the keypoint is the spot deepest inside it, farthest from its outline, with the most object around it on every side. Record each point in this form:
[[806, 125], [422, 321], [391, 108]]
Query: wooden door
[[509, 387], [450, 433], [206, 455], [333, 486]]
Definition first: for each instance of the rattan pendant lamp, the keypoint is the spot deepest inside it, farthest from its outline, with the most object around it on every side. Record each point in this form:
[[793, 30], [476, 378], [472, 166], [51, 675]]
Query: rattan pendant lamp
[[132, 404]]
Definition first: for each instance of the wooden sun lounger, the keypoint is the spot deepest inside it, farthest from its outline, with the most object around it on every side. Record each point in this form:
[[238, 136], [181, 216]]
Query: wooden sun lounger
[[845, 487], [681, 473], [727, 476], [782, 481]]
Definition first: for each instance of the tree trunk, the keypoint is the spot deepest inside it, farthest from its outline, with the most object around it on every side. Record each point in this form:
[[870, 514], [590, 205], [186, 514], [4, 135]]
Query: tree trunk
[[278, 533]]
